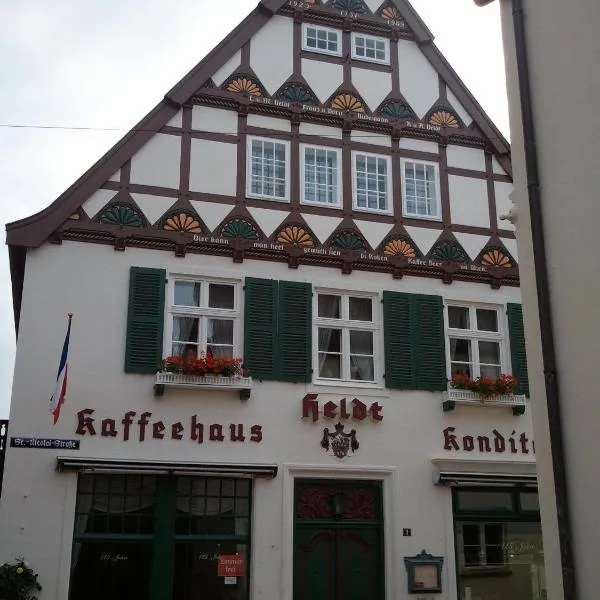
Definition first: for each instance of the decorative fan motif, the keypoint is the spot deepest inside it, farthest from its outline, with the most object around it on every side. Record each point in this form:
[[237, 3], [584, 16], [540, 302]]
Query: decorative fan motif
[[182, 222], [447, 251], [390, 12], [296, 235], [396, 110], [496, 258], [347, 102], [295, 92], [357, 6], [444, 119], [399, 247], [75, 217], [240, 228], [243, 85], [121, 215], [348, 241]]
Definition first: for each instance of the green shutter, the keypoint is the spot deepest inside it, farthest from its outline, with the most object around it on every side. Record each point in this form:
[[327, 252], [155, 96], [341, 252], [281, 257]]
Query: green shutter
[[294, 344], [398, 341], [145, 319], [518, 354], [415, 356], [430, 353], [260, 323]]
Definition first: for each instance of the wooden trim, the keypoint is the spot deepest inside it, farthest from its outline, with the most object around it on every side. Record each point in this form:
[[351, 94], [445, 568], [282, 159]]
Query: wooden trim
[[397, 196], [295, 168], [125, 174], [186, 151], [347, 175], [347, 61], [242, 151], [491, 191], [395, 66], [444, 186], [245, 56]]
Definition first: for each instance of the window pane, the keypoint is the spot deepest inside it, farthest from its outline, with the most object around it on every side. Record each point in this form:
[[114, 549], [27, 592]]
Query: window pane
[[330, 366], [490, 371], [219, 331], [471, 545], [221, 296], [460, 350], [529, 501], [329, 306], [361, 309], [487, 320], [484, 500], [330, 340], [361, 342], [185, 329], [458, 317], [187, 293], [489, 353], [420, 189], [494, 544], [361, 368]]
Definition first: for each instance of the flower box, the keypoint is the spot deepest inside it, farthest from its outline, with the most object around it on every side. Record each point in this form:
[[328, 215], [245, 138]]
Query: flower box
[[453, 397], [203, 382]]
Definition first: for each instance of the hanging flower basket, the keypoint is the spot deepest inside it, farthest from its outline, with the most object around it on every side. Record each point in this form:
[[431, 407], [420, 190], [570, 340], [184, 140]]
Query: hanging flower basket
[[18, 581]]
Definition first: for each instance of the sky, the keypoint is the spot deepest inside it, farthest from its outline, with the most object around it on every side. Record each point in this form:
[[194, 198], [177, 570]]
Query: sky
[[104, 64]]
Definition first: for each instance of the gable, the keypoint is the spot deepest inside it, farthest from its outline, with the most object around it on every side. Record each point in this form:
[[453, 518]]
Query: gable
[[184, 165]]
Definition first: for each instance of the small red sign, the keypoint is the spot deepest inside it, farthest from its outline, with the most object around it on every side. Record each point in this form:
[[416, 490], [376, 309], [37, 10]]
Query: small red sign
[[231, 565]]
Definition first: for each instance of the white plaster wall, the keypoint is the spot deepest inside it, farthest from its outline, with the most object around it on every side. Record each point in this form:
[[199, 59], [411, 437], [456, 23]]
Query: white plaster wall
[[419, 81], [96, 201], [320, 130], [466, 158], [503, 203], [213, 167], [214, 120], [158, 162], [370, 137], [269, 122], [92, 282], [469, 201], [275, 37], [373, 4], [459, 108], [227, 69], [176, 121], [497, 167], [420, 145], [324, 78], [372, 85]]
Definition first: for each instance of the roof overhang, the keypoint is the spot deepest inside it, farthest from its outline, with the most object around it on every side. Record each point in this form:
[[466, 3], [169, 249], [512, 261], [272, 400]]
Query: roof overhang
[[149, 467], [455, 472], [483, 2]]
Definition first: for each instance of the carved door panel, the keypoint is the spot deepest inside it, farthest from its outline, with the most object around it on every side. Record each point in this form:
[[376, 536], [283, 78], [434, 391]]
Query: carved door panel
[[338, 541]]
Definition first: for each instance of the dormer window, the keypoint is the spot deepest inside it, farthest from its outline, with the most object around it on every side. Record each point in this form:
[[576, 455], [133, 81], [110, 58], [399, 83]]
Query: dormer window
[[322, 39]]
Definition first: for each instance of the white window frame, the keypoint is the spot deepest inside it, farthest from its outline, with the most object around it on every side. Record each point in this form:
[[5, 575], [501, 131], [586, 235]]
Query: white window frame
[[203, 311], [338, 151], [389, 200], [438, 198], [344, 323], [500, 336], [249, 192], [328, 30], [386, 43]]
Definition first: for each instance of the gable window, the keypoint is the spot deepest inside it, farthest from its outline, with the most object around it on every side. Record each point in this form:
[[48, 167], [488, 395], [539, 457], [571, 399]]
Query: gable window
[[420, 189], [346, 328], [476, 341], [321, 182], [322, 39], [204, 317], [372, 182], [370, 48], [268, 168]]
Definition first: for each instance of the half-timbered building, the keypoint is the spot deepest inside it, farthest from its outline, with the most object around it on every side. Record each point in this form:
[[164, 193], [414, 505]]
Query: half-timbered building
[[322, 198]]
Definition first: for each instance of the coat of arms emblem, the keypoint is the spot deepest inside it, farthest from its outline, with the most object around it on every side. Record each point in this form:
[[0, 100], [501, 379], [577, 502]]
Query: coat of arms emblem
[[339, 441]]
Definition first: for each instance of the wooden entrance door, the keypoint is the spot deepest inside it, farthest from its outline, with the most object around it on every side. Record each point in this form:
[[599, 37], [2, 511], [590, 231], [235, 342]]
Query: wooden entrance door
[[338, 541]]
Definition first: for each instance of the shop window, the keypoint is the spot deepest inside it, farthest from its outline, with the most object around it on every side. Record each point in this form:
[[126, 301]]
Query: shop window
[[147, 537]]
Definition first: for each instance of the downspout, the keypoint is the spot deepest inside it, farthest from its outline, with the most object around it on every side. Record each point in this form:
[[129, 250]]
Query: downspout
[[544, 308]]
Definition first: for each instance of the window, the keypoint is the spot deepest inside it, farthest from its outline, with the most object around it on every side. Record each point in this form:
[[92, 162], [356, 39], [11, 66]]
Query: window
[[135, 534], [321, 183], [420, 189], [482, 544], [475, 341], [322, 39], [371, 48], [268, 172], [372, 182], [204, 317], [347, 335]]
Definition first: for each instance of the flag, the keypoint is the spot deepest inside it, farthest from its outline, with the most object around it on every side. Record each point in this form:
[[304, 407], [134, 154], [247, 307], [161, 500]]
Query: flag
[[60, 389]]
